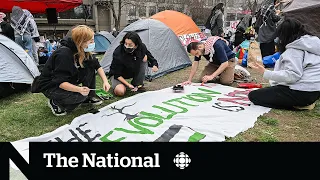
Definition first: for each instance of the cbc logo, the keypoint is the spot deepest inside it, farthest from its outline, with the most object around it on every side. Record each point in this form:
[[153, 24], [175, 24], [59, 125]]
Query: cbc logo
[[182, 160]]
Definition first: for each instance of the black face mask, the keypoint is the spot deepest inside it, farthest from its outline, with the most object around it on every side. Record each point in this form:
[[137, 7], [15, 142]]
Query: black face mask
[[128, 50]]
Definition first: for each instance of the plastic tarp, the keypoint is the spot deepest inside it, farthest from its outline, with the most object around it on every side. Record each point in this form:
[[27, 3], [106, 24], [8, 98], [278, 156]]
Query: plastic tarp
[[39, 6], [307, 12], [160, 40], [16, 65]]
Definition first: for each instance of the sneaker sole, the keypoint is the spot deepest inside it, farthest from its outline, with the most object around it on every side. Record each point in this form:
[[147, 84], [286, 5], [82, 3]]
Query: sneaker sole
[[62, 114], [310, 107], [97, 103]]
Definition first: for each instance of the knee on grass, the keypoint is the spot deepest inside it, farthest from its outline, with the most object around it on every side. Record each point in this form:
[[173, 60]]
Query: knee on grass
[[120, 90]]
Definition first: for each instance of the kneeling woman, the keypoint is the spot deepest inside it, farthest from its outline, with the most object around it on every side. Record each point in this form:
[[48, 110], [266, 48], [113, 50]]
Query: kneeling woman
[[130, 60], [68, 67], [295, 81]]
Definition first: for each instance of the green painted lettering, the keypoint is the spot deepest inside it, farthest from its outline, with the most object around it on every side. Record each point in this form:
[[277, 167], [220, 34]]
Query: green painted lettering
[[209, 91], [143, 113], [106, 138], [198, 97], [196, 137], [181, 102], [184, 110], [141, 129], [172, 113], [201, 97], [158, 121]]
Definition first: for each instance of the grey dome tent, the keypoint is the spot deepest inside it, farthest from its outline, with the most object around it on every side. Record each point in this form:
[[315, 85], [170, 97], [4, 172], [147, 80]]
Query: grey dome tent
[[103, 41], [160, 40], [305, 11], [16, 66]]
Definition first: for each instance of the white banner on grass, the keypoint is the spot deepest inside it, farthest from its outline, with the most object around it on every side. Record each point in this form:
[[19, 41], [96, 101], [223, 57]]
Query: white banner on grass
[[198, 114]]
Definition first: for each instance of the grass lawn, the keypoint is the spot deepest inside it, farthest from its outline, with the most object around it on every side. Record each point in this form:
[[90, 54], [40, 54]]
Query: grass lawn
[[26, 115]]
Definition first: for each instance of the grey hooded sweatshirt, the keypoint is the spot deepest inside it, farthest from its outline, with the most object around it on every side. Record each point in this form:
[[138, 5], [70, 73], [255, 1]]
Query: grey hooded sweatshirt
[[299, 66]]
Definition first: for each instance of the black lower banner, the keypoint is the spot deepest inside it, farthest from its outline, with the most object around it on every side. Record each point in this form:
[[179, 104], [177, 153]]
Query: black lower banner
[[153, 160]]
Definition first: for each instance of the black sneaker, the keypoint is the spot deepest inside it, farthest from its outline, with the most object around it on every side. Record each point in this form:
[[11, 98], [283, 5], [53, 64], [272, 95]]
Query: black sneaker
[[93, 100], [141, 89], [56, 110]]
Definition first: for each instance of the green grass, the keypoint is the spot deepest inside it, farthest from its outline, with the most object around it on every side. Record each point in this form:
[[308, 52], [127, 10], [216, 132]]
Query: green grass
[[269, 121], [27, 115]]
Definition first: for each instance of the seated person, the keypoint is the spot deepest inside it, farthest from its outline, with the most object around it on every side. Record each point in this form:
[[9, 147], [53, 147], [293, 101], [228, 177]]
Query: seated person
[[130, 59], [43, 55], [5, 27], [67, 68], [221, 60], [295, 81]]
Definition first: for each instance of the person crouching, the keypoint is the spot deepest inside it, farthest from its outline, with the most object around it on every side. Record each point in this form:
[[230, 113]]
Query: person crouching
[[68, 67]]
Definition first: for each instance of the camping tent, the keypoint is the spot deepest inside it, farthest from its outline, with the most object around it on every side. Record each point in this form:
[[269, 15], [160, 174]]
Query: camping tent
[[103, 40], [160, 40], [182, 25], [307, 12], [39, 6], [16, 66]]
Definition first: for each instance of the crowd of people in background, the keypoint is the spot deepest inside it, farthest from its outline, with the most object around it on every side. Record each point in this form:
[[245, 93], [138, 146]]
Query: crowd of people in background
[[295, 81], [23, 29]]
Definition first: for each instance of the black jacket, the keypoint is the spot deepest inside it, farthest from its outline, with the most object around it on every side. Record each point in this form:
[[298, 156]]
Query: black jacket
[[61, 67], [7, 30], [128, 65]]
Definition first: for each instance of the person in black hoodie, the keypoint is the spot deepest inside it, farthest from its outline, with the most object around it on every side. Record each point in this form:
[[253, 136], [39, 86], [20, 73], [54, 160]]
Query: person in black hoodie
[[130, 59], [68, 67], [5, 27]]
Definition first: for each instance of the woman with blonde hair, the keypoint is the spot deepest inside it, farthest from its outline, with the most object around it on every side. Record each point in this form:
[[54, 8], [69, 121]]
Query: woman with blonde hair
[[68, 67]]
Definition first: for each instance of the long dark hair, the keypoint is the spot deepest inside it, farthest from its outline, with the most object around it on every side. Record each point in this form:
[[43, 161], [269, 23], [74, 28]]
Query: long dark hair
[[218, 6], [289, 31], [134, 37]]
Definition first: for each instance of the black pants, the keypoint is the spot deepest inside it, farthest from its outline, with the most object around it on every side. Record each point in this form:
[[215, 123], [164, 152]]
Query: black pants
[[282, 97], [137, 79], [70, 100], [43, 59], [7, 89], [267, 49], [239, 38]]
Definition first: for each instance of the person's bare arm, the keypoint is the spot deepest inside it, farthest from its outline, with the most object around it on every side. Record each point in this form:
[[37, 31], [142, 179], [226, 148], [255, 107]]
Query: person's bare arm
[[221, 68], [194, 69], [123, 81], [72, 88]]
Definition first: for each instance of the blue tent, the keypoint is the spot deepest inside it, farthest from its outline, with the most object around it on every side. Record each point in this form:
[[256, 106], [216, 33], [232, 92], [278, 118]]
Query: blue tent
[[103, 40]]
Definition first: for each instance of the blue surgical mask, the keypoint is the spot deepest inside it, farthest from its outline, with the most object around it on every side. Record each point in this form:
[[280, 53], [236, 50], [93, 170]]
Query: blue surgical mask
[[90, 47]]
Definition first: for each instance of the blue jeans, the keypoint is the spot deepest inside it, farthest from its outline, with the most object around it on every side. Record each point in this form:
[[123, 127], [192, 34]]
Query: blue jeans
[[25, 42]]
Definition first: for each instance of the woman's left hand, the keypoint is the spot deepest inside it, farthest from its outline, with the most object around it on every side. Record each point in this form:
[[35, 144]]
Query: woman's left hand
[[106, 86], [145, 59], [258, 68], [155, 69]]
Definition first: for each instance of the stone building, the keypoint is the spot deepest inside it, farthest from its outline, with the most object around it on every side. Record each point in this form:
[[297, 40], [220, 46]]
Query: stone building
[[99, 15]]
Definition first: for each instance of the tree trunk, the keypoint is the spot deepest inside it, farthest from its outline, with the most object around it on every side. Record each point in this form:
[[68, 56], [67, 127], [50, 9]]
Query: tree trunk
[[119, 15], [116, 20]]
